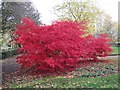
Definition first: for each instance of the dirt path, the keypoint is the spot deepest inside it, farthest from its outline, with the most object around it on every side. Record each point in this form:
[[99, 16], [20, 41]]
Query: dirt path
[[9, 65], [118, 56]]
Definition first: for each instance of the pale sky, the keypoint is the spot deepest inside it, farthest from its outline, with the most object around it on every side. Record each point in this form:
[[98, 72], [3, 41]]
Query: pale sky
[[45, 8]]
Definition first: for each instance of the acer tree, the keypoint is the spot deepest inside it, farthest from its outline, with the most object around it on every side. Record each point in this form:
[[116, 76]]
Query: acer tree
[[57, 47]]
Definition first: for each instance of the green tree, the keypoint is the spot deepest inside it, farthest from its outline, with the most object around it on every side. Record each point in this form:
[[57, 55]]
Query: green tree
[[79, 11], [106, 25], [13, 11], [11, 14]]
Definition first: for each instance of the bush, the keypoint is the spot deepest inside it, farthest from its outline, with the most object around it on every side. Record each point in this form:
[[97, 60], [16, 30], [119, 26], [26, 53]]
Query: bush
[[57, 47], [8, 53]]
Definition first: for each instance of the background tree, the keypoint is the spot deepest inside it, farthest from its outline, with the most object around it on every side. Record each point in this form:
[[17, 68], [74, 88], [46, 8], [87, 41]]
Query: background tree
[[87, 10], [11, 14], [79, 11], [106, 25], [13, 11], [111, 28]]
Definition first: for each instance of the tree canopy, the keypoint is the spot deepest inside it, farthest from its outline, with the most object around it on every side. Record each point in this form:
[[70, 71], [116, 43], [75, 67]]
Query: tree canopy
[[11, 12], [78, 11], [87, 10], [57, 47]]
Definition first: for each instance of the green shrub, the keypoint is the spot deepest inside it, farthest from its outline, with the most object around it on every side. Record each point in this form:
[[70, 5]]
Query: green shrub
[[8, 53]]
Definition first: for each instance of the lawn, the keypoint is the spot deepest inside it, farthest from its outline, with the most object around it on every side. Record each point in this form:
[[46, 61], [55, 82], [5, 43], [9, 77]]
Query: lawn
[[61, 82], [91, 75], [116, 50]]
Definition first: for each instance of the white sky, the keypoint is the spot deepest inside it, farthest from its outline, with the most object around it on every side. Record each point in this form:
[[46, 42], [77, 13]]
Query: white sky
[[45, 7], [110, 7]]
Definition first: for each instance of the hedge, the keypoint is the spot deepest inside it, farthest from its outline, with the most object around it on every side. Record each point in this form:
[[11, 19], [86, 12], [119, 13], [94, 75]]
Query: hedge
[[8, 53]]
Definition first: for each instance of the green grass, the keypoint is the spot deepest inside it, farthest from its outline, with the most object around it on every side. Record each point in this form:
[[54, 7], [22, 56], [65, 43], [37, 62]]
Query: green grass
[[95, 75], [116, 50], [61, 82]]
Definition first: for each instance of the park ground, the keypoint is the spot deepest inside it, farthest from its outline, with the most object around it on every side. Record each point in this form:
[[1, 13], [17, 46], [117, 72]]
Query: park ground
[[91, 75]]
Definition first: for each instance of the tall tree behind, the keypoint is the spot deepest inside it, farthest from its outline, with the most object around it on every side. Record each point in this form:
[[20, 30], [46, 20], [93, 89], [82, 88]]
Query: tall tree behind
[[79, 11], [111, 28], [106, 25], [11, 14], [13, 11]]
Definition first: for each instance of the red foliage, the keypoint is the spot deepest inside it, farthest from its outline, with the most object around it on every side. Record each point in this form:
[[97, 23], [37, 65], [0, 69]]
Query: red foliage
[[57, 47]]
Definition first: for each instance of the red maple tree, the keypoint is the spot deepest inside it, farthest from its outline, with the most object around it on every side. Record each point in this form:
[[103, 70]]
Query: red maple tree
[[57, 47]]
